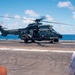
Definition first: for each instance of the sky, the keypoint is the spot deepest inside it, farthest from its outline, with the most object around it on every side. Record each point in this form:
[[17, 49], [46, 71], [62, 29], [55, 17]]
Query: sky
[[62, 11]]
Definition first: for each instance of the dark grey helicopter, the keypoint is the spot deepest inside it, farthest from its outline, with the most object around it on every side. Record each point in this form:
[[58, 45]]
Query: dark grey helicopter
[[35, 31]]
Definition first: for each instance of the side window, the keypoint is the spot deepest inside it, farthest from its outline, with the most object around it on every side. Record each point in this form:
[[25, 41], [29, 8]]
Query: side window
[[31, 32], [22, 32], [28, 32]]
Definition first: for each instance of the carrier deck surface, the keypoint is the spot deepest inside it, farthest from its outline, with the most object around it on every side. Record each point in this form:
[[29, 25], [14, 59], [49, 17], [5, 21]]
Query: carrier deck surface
[[40, 58]]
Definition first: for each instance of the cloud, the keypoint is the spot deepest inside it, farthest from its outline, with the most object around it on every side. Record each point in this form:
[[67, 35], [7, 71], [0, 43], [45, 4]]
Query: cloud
[[6, 16], [13, 25], [73, 15], [17, 17], [66, 4], [64, 29], [2, 23], [28, 20], [49, 18], [31, 13]]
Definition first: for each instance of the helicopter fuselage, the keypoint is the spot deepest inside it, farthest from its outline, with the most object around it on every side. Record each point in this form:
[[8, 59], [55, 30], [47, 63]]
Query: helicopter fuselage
[[33, 32], [43, 32]]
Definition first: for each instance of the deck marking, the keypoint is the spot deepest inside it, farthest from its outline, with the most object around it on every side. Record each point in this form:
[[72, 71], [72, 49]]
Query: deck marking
[[36, 50], [69, 43]]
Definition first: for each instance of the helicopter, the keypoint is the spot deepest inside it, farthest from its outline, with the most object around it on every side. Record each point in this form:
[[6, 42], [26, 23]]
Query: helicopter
[[36, 31]]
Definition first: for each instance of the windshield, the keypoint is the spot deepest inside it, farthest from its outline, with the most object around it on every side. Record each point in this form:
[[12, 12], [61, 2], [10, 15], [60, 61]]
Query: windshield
[[53, 30], [44, 27]]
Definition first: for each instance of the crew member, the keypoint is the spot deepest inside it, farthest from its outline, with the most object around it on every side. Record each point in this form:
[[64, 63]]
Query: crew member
[[3, 70], [72, 65]]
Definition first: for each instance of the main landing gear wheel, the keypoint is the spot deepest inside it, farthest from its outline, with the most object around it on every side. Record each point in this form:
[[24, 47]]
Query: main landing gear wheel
[[51, 41], [56, 40], [26, 41], [32, 40]]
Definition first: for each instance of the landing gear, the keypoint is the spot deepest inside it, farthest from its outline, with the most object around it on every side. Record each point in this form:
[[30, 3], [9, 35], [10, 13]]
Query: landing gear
[[26, 41], [54, 40], [51, 41], [33, 40]]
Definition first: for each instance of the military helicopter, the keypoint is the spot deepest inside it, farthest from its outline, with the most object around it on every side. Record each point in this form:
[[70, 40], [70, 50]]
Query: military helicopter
[[35, 31]]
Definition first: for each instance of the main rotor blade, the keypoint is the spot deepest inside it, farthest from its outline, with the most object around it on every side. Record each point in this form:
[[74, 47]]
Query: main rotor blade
[[57, 23], [15, 18], [38, 20]]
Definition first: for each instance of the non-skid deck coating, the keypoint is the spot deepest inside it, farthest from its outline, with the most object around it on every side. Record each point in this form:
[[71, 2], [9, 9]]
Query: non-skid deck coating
[[62, 45], [38, 60]]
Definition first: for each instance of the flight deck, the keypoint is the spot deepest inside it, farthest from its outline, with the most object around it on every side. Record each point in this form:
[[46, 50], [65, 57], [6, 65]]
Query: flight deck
[[39, 58], [44, 45]]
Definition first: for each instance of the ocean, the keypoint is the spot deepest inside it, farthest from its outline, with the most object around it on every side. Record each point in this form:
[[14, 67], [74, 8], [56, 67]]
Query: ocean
[[15, 37]]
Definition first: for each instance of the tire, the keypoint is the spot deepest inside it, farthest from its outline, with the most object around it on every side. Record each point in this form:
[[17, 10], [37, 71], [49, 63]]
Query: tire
[[51, 41], [26, 41], [32, 40], [56, 40]]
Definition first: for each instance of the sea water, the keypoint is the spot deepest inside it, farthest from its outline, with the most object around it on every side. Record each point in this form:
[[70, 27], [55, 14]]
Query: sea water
[[9, 37], [68, 37]]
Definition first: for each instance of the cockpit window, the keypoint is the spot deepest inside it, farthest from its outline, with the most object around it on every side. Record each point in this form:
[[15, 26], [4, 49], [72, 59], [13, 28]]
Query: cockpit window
[[53, 30], [44, 27]]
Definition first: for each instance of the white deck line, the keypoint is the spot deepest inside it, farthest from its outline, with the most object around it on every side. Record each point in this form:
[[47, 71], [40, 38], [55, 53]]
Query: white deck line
[[68, 43], [35, 50]]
